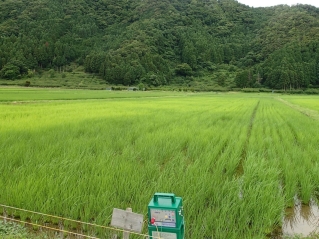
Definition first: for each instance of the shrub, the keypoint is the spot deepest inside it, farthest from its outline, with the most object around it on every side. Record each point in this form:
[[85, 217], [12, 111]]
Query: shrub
[[296, 91], [265, 90], [51, 73], [183, 70], [312, 91], [10, 71], [250, 90], [30, 73]]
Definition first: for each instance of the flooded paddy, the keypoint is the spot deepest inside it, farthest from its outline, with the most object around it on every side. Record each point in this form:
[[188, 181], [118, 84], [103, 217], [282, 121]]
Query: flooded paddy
[[238, 160], [301, 220]]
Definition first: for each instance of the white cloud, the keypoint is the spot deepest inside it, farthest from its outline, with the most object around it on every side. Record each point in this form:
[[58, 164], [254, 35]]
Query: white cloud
[[254, 3]]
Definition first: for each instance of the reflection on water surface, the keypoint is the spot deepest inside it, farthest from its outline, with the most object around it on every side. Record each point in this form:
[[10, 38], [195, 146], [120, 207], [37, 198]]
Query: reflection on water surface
[[301, 220]]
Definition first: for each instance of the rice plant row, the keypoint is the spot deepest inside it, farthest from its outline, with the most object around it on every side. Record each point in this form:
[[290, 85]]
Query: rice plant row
[[80, 159]]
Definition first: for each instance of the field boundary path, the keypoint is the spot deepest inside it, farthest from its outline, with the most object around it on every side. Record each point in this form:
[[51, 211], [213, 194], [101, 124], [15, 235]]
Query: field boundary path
[[18, 102], [308, 112], [240, 167]]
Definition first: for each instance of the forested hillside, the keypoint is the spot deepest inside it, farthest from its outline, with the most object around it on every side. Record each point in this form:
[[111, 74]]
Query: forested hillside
[[184, 42]]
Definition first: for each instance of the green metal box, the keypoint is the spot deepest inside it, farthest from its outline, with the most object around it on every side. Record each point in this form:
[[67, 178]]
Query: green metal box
[[165, 214]]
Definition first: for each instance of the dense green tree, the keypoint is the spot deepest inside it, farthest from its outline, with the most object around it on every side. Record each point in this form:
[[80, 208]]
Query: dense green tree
[[130, 41], [10, 71], [183, 70], [244, 79]]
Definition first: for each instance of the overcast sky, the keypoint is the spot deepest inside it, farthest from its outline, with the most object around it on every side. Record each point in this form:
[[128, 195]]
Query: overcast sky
[[267, 3]]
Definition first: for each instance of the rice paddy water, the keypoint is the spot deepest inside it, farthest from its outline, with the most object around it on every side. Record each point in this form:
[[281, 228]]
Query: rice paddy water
[[301, 220], [238, 160]]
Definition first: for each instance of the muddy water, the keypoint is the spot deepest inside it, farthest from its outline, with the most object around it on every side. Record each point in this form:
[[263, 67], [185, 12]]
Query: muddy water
[[301, 220]]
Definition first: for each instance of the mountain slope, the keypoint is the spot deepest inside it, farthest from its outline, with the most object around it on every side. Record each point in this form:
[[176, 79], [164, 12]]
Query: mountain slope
[[188, 42]]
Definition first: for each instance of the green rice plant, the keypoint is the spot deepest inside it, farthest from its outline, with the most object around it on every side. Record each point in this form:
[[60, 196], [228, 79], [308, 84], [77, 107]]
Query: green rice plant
[[237, 160]]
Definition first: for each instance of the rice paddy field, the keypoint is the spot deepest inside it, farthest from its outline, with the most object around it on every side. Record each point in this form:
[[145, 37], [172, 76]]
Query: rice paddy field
[[237, 160]]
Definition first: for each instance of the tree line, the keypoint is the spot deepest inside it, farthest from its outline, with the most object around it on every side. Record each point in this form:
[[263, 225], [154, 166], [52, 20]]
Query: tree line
[[163, 42]]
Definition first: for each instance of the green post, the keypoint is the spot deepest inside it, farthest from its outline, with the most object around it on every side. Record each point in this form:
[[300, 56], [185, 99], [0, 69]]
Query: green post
[[165, 217]]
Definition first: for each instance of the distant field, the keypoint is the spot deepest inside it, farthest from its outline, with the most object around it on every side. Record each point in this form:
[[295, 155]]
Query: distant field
[[310, 102], [35, 94], [237, 160]]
